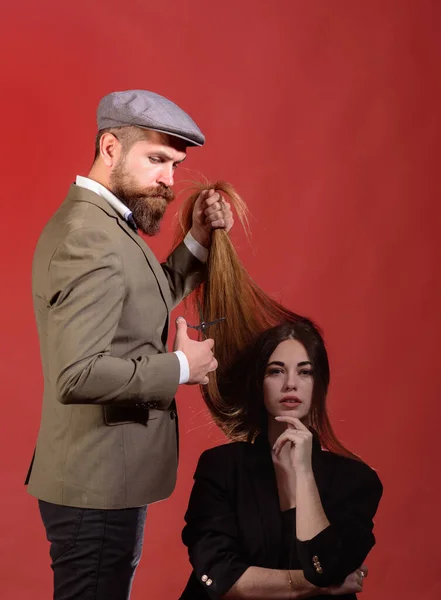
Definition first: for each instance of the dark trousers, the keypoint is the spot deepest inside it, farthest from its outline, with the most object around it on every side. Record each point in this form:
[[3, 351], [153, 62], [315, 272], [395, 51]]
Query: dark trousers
[[94, 552]]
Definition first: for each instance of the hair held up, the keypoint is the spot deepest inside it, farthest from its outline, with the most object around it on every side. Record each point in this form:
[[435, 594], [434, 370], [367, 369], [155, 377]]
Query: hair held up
[[230, 292]]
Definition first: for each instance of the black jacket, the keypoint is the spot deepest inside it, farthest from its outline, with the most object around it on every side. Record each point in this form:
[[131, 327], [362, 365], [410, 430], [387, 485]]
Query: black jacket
[[234, 521]]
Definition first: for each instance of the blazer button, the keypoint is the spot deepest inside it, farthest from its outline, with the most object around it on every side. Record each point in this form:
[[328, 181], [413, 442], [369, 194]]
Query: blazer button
[[172, 415], [318, 569], [209, 582], [204, 578]]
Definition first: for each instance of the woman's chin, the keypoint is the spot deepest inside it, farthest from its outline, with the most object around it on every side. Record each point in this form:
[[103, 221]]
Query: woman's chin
[[297, 412]]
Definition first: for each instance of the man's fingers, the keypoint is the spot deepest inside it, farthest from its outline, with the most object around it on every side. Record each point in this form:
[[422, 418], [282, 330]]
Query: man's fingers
[[181, 323], [218, 224], [209, 342], [216, 211], [202, 199], [213, 198], [205, 199], [181, 328], [213, 366], [214, 208]]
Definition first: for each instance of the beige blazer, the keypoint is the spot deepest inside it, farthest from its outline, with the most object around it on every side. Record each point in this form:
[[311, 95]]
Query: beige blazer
[[102, 301]]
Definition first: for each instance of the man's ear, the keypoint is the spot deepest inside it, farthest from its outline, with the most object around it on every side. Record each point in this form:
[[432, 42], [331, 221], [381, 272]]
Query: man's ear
[[110, 149]]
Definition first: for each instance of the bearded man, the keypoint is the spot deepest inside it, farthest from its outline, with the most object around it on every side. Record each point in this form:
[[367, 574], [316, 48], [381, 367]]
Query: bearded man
[[107, 445]]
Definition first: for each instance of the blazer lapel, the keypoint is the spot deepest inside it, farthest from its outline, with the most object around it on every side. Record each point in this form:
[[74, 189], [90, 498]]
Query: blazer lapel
[[152, 261], [320, 467], [263, 481], [84, 195]]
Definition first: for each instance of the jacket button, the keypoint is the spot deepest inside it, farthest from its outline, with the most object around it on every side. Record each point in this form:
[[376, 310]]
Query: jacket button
[[204, 578], [319, 569], [172, 415], [209, 582]]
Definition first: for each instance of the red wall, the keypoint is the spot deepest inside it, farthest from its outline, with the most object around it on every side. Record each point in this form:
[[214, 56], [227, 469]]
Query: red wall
[[325, 115]]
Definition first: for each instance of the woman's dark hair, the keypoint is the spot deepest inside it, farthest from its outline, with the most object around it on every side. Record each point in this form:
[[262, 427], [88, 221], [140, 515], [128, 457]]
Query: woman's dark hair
[[243, 414]]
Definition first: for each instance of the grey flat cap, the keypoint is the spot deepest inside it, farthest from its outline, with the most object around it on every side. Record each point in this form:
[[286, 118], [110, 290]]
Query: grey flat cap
[[148, 110]]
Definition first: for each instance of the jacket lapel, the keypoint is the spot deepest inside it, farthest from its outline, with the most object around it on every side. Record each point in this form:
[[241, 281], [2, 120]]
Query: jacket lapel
[[263, 481], [80, 194], [152, 261], [320, 467]]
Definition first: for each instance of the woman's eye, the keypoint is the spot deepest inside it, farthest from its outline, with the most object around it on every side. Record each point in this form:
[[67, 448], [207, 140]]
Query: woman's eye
[[305, 372], [273, 371]]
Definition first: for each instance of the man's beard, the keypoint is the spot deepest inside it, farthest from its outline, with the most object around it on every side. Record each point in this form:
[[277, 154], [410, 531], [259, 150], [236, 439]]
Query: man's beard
[[148, 205]]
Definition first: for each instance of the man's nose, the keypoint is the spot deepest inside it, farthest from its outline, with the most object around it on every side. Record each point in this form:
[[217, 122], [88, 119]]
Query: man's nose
[[166, 176]]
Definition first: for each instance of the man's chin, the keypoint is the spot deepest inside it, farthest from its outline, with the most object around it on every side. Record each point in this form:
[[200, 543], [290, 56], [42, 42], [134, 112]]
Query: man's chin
[[150, 230], [148, 218]]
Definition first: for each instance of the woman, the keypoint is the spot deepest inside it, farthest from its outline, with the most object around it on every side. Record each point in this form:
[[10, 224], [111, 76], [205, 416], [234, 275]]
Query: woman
[[277, 516]]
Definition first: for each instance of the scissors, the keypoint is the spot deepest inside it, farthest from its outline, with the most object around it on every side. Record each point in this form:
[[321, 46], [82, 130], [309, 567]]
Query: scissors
[[203, 325]]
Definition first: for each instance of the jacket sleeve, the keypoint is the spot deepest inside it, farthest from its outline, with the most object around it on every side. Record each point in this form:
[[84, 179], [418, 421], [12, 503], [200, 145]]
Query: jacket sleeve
[[211, 533], [341, 548], [84, 300], [184, 272]]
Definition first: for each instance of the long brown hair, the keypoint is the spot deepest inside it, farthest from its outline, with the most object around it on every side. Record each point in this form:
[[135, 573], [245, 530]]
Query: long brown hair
[[230, 292]]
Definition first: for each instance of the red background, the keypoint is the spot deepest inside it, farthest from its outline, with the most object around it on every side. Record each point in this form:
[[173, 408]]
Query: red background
[[325, 116]]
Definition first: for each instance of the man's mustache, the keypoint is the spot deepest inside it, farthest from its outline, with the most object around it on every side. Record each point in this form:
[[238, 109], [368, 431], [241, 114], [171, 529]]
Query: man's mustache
[[162, 190]]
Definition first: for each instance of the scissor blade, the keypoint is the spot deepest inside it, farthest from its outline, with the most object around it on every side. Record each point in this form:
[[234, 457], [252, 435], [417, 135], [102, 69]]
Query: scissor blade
[[201, 314], [202, 326], [215, 322]]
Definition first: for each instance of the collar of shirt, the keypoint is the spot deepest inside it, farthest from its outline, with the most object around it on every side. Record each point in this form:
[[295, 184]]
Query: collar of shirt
[[102, 191]]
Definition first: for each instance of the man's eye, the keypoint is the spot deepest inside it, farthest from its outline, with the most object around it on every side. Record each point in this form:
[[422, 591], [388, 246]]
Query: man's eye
[[155, 159]]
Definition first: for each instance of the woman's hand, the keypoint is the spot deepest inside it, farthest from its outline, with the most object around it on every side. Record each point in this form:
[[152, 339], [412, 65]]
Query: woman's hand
[[353, 583], [300, 439]]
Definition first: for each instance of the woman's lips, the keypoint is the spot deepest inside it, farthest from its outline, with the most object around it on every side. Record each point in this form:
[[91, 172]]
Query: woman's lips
[[290, 402]]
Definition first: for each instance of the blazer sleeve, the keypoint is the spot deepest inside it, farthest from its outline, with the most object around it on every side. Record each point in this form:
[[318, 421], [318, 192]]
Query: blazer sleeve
[[341, 548], [84, 299], [184, 272], [211, 532]]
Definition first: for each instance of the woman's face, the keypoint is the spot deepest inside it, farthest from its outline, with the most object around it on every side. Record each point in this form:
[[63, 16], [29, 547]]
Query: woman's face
[[288, 381]]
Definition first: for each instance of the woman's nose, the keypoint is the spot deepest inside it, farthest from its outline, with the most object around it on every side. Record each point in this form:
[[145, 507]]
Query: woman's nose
[[291, 382]]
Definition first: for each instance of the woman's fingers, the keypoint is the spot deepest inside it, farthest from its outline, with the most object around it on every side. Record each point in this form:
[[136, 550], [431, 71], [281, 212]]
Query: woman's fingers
[[293, 422], [289, 435]]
